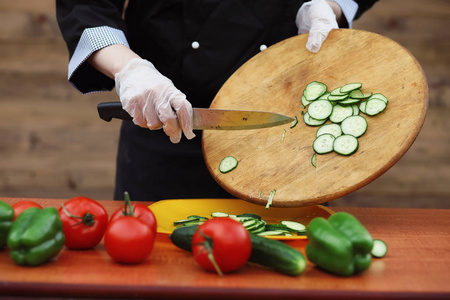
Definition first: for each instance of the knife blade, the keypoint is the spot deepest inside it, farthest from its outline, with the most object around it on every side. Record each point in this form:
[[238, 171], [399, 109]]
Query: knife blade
[[207, 118]]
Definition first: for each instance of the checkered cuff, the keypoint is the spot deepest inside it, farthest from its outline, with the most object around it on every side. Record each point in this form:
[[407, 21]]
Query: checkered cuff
[[349, 9], [90, 41]]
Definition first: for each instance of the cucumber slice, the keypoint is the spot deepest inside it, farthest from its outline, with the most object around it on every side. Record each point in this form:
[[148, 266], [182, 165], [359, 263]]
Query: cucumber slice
[[349, 101], [294, 226], [379, 96], [374, 106], [228, 164], [313, 160], [283, 135], [379, 248], [340, 112], [311, 121], [294, 123], [354, 125], [337, 92], [324, 143], [241, 219], [324, 96], [356, 94], [184, 221], [320, 109], [337, 97], [271, 196], [218, 214], [362, 107], [305, 102], [345, 144], [275, 227], [188, 222], [333, 129], [314, 90], [355, 109], [197, 217], [258, 229], [272, 233], [350, 87], [250, 215], [254, 226], [250, 223]]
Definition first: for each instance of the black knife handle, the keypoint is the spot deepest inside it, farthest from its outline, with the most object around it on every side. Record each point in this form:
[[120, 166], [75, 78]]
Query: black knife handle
[[109, 110]]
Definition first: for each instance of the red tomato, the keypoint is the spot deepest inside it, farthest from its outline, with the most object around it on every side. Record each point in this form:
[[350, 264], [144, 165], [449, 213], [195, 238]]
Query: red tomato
[[84, 222], [129, 240], [140, 211], [20, 206], [229, 241]]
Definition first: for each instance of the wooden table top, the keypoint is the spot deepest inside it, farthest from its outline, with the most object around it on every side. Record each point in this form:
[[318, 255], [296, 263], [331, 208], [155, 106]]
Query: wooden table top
[[417, 266]]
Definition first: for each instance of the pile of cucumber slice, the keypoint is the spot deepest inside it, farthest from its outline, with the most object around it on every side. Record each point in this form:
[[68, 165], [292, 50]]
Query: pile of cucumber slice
[[341, 106], [253, 223]]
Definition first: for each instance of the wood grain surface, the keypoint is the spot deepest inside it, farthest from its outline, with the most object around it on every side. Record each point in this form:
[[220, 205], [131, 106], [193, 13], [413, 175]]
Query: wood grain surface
[[416, 266], [274, 80]]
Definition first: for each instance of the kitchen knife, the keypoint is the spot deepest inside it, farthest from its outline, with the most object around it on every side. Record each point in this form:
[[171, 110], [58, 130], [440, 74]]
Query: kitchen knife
[[205, 118]]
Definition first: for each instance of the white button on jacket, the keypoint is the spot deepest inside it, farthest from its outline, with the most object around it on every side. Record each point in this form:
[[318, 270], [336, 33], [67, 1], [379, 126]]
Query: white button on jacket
[[195, 45]]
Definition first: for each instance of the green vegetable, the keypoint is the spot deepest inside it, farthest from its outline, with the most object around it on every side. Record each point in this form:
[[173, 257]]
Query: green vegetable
[[36, 236], [252, 222], [6, 221], [350, 87], [272, 254], [228, 164], [277, 256], [345, 144], [313, 160], [314, 90], [340, 245], [342, 107], [324, 143], [269, 201], [294, 123], [379, 248]]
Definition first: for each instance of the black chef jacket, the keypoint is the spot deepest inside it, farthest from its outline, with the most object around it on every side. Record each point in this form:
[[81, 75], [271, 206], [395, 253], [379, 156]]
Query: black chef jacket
[[228, 33]]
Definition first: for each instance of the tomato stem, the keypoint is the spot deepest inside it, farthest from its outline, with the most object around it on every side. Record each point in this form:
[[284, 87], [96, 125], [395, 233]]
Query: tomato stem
[[128, 208], [208, 244], [87, 219]]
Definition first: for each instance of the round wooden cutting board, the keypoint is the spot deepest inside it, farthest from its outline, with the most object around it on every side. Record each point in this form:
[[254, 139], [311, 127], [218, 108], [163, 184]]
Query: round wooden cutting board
[[279, 158]]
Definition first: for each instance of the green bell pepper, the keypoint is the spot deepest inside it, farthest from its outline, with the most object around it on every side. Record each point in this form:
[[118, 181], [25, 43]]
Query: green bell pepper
[[36, 236], [340, 245], [6, 221]]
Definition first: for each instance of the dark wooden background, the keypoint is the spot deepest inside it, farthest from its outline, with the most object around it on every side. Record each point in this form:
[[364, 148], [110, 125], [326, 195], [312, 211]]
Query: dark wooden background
[[53, 145]]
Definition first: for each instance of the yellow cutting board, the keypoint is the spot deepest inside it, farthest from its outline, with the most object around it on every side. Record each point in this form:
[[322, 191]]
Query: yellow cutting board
[[279, 158]]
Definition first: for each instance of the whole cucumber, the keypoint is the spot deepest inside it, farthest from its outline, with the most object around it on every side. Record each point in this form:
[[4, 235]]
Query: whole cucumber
[[271, 254]]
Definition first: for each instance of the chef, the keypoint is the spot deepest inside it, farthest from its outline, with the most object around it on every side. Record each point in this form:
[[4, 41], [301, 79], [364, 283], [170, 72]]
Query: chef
[[166, 56]]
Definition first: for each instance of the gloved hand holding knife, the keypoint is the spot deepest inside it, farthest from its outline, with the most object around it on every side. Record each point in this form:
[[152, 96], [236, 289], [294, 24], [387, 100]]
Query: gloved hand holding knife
[[154, 102]]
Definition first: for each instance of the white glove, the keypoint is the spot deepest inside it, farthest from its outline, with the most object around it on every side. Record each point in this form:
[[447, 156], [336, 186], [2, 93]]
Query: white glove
[[317, 18], [153, 101]]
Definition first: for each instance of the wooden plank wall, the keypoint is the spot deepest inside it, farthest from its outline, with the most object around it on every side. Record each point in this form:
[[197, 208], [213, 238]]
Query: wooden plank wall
[[53, 145]]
